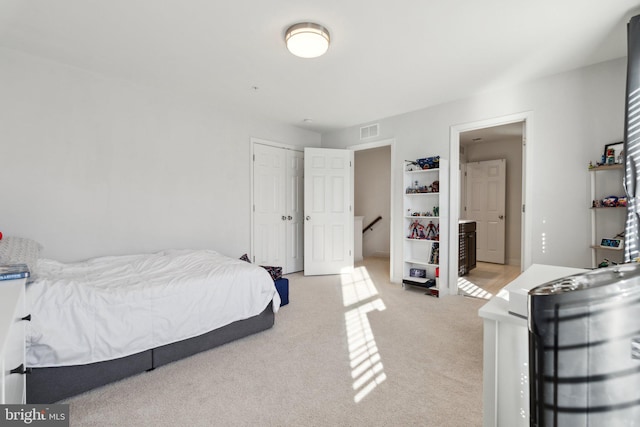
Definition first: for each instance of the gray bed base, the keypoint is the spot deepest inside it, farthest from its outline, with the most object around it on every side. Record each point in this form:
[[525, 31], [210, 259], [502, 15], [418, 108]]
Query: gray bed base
[[49, 385]]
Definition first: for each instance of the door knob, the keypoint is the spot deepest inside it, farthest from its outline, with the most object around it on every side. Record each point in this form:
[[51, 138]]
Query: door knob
[[289, 217], [284, 218], [308, 218], [501, 216]]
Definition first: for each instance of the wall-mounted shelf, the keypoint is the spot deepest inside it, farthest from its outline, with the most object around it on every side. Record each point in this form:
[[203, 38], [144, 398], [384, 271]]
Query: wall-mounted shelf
[[606, 221]]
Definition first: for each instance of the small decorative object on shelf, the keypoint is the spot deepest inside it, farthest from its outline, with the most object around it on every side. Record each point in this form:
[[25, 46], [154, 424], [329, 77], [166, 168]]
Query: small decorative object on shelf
[[418, 231], [418, 272], [614, 243], [432, 232], [412, 166], [605, 263], [429, 162], [610, 202], [422, 164], [435, 254], [613, 155], [417, 188]]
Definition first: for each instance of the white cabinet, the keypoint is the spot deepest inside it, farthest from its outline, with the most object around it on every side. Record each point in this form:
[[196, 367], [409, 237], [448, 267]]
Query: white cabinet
[[506, 348], [607, 218], [425, 226], [12, 347], [278, 207]]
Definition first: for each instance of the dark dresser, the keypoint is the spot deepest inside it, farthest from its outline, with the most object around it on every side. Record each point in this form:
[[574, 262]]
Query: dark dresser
[[466, 246]]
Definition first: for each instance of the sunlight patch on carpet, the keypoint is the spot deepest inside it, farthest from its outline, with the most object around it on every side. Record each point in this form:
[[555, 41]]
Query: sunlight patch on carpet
[[367, 370], [472, 290], [357, 286]]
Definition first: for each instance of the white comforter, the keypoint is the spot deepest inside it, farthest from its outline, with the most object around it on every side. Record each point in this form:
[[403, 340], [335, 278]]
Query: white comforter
[[111, 307]]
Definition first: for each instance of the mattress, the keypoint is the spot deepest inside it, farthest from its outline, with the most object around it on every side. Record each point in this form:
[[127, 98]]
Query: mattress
[[111, 307]]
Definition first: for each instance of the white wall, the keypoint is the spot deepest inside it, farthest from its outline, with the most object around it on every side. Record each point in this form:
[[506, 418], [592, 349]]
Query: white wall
[[94, 166], [511, 151], [372, 176], [574, 115]]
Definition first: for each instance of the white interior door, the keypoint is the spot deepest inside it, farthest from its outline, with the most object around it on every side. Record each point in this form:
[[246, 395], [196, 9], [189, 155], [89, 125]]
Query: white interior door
[[278, 199], [294, 207], [269, 204], [328, 210], [486, 186]]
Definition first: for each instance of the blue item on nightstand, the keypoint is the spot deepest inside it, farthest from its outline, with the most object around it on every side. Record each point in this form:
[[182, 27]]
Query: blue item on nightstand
[[282, 286]]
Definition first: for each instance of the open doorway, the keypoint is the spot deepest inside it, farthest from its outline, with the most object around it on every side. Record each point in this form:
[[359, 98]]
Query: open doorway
[[492, 138], [490, 203], [373, 165]]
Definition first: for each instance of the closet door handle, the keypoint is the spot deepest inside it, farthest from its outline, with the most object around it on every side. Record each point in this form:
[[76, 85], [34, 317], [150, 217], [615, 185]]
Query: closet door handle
[[308, 218], [289, 217], [27, 318], [284, 218]]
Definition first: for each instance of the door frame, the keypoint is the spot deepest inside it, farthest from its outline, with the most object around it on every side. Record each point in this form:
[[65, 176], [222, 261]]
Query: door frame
[[454, 176], [391, 143], [259, 141]]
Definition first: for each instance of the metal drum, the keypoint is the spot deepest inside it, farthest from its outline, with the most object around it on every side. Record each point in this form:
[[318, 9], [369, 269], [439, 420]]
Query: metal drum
[[584, 349]]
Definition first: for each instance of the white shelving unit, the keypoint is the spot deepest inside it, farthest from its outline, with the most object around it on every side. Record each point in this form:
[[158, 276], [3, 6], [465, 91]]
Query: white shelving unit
[[430, 210], [606, 222]]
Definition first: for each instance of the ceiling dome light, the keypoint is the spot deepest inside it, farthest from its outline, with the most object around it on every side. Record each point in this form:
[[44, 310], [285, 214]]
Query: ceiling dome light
[[307, 40]]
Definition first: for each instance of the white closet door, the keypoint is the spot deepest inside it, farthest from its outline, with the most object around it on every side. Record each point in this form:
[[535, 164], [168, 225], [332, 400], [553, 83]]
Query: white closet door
[[270, 219], [295, 211]]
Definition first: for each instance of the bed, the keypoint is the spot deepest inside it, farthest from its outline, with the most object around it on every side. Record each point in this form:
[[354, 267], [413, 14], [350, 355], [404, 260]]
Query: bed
[[104, 319]]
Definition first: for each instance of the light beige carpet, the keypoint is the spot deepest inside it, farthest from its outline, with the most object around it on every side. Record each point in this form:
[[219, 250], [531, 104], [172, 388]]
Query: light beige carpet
[[347, 351]]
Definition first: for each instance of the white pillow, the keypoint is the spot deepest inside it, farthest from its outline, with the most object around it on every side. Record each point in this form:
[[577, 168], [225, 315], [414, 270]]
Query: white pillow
[[19, 250]]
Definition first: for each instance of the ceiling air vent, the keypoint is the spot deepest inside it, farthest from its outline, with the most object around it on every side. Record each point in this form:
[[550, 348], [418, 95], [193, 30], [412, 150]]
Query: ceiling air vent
[[369, 131]]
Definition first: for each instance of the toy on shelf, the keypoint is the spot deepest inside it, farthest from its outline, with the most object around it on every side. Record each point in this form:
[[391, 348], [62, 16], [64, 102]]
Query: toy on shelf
[[429, 162], [416, 230], [412, 166], [610, 202], [432, 231], [434, 257], [417, 188], [422, 164]]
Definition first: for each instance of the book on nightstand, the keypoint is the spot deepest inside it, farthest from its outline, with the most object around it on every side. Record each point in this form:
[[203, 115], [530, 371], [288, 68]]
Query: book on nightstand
[[13, 271]]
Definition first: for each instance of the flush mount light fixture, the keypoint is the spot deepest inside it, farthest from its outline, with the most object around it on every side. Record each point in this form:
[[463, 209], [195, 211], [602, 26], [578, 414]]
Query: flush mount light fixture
[[307, 40]]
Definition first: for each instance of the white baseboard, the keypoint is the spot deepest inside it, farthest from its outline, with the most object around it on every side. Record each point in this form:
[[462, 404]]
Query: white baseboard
[[380, 254]]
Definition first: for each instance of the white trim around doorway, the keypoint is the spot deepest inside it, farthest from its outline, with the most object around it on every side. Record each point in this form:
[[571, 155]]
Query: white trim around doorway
[[454, 179], [391, 143]]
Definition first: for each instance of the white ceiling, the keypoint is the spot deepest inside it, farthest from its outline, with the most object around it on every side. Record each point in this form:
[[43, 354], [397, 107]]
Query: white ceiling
[[386, 57]]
